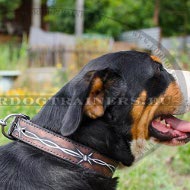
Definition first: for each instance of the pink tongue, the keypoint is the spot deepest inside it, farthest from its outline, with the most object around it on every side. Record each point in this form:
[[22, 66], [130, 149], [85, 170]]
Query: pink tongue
[[161, 127], [178, 124]]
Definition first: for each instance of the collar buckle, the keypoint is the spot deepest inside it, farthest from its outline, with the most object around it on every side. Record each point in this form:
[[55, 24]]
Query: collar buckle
[[4, 124]]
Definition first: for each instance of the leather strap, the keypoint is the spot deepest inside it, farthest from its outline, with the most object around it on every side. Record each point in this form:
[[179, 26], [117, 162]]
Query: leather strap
[[61, 147]]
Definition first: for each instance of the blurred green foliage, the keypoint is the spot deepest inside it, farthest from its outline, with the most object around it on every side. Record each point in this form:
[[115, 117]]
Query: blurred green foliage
[[112, 17], [13, 55], [9, 57], [154, 172], [181, 160], [175, 17], [60, 78], [7, 9]]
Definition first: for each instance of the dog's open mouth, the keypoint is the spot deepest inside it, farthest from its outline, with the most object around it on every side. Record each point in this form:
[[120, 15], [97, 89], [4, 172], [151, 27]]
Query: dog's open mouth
[[170, 130]]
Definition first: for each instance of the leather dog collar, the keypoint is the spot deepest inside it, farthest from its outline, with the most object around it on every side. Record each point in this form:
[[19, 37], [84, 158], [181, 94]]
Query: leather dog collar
[[24, 130]]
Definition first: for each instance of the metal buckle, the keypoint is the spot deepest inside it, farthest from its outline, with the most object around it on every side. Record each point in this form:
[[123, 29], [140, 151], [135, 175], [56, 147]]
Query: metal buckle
[[3, 123]]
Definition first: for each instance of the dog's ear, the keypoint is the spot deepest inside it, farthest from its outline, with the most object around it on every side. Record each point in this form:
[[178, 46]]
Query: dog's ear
[[87, 98]]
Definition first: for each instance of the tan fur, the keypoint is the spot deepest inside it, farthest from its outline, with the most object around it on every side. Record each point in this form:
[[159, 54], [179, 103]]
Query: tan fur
[[94, 104], [172, 100], [167, 103], [138, 147], [155, 58], [142, 116]]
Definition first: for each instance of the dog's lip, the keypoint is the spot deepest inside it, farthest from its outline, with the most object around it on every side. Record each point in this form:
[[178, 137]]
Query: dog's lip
[[172, 131]]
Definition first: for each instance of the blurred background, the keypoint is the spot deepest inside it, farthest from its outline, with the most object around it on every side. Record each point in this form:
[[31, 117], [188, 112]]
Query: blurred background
[[44, 43]]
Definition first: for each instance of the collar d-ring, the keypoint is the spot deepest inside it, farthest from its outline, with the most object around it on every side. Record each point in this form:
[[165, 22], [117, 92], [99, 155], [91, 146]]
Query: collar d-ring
[[3, 123]]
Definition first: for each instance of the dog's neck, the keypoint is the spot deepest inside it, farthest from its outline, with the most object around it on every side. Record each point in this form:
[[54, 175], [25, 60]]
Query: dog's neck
[[96, 134]]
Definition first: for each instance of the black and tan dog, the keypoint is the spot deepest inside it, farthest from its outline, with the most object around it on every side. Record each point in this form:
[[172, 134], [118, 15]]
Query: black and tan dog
[[122, 97]]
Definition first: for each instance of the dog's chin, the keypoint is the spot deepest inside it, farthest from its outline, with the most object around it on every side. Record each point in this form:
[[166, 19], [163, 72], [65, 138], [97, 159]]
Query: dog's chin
[[170, 130]]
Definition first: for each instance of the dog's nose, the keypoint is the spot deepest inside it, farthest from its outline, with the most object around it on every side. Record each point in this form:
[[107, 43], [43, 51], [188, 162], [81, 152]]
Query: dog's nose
[[183, 80]]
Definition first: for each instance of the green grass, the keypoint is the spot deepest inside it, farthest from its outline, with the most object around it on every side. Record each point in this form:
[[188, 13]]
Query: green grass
[[154, 172], [13, 56]]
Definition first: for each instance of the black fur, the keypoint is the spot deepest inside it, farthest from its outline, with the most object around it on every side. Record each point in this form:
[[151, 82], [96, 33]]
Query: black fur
[[26, 168]]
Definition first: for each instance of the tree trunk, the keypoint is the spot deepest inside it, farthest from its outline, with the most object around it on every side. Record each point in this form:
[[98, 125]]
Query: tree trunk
[[36, 13], [79, 17], [156, 12]]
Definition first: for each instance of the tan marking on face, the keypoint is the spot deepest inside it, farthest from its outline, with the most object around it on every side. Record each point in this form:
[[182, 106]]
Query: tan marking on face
[[137, 112], [167, 103], [139, 105], [173, 98], [94, 104], [155, 58], [145, 115]]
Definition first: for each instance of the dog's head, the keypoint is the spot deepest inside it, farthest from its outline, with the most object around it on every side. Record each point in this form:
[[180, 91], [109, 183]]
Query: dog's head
[[116, 102]]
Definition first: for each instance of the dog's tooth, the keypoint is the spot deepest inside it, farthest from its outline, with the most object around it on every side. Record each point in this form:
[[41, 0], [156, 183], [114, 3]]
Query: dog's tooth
[[168, 125], [163, 121]]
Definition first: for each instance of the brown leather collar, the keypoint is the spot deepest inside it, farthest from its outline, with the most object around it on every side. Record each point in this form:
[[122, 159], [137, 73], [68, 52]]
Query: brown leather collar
[[24, 130]]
